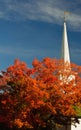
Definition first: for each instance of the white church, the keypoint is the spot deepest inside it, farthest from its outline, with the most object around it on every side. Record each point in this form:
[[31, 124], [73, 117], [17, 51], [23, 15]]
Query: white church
[[65, 55]]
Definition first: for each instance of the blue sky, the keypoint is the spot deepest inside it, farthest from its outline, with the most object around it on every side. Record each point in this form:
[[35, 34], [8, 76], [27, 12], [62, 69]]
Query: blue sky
[[33, 29]]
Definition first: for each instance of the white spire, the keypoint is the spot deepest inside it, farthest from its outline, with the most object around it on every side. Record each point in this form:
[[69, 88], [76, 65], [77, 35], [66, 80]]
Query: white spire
[[65, 55], [65, 48]]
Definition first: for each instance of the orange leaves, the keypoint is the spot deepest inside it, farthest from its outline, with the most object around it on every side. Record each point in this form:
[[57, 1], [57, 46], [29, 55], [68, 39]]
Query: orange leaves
[[35, 63], [18, 122], [49, 63], [31, 96], [19, 69]]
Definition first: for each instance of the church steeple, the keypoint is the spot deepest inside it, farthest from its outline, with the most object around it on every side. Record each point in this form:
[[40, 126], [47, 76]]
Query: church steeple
[[65, 55], [65, 73]]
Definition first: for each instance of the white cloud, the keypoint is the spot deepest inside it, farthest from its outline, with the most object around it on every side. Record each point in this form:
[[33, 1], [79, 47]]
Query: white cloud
[[77, 51], [42, 10], [20, 51], [14, 51]]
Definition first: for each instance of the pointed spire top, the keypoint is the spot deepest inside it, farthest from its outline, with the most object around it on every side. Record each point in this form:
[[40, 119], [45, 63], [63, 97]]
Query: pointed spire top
[[65, 14], [65, 47], [64, 17]]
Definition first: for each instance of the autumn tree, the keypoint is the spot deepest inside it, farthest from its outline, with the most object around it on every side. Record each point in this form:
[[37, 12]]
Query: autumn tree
[[36, 97]]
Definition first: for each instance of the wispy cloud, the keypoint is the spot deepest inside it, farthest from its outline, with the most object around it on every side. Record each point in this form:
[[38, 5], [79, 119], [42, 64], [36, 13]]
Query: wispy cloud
[[21, 51], [77, 52], [42, 10], [76, 56], [16, 51]]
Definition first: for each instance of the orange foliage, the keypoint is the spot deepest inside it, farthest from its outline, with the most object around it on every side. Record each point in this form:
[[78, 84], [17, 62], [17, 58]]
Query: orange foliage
[[31, 96]]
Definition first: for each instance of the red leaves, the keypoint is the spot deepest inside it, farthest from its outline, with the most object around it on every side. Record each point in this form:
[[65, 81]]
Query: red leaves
[[31, 95], [3, 102]]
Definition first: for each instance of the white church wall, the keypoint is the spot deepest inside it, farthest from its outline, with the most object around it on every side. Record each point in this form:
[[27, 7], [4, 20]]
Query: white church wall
[[78, 126]]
